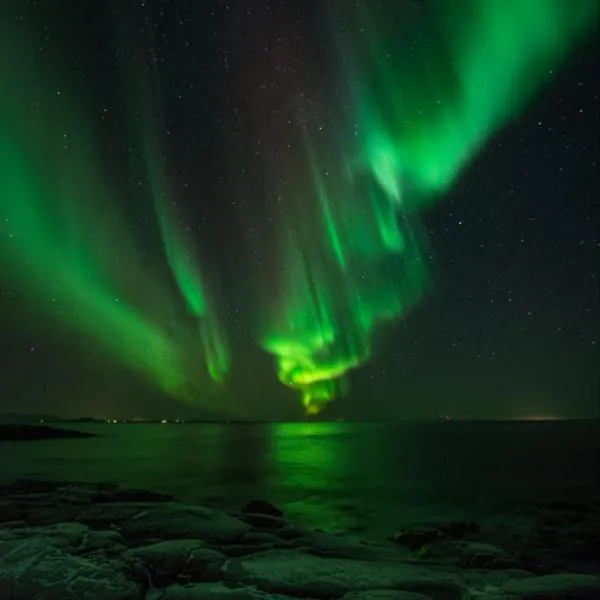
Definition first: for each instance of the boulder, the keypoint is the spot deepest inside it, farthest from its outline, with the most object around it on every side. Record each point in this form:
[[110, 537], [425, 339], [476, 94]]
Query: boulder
[[474, 555], [561, 586], [212, 591], [187, 560], [237, 550], [34, 568], [304, 575], [113, 514], [268, 522], [343, 546], [384, 595], [179, 521]]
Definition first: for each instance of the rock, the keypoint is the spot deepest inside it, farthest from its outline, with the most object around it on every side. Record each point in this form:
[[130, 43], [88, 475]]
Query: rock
[[417, 537], [261, 537], [237, 550], [33, 568], [48, 515], [111, 514], [298, 573], [384, 595], [555, 587], [109, 542], [342, 546], [261, 507], [179, 521], [119, 495], [189, 560], [212, 591], [473, 555], [66, 536], [268, 522]]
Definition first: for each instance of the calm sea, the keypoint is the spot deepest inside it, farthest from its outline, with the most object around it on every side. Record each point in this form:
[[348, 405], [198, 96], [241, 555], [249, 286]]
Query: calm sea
[[367, 477]]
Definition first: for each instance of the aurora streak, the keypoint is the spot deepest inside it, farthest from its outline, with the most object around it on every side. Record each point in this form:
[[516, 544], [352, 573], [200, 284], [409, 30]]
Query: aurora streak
[[146, 122], [419, 113], [70, 248]]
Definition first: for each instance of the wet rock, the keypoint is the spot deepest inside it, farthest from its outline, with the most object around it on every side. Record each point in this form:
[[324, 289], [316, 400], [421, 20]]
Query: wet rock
[[179, 521], [66, 536], [384, 595], [261, 537], [211, 591], [237, 550], [111, 514], [555, 587], [48, 515], [342, 546], [268, 522], [119, 495], [109, 542], [187, 560], [473, 555], [261, 507], [34, 568], [297, 573]]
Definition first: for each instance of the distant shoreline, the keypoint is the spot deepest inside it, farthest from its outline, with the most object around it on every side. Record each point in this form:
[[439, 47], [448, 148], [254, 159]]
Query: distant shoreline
[[26, 420], [21, 432]]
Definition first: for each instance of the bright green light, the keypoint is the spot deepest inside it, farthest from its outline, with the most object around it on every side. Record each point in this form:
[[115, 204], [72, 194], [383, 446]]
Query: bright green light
[[420, 109], [66, 245], [427, 105]]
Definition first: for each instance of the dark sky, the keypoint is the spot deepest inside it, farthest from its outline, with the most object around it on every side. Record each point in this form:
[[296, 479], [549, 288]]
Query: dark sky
[[511, 324]]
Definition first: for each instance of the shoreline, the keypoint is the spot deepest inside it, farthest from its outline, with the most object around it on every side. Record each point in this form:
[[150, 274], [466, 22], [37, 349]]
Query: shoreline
[[71, 541], [26, 432]]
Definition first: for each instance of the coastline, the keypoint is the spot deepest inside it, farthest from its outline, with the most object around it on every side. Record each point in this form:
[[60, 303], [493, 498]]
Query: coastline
[[25, 432], [73, 540]]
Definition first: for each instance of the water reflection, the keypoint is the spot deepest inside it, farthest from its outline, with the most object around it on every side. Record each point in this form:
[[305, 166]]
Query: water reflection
[[341, 476]]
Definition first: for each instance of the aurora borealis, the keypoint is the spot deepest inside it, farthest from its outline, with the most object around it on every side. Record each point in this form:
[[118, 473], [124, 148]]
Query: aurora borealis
[[189, 247], [69, 257], [418, 123]]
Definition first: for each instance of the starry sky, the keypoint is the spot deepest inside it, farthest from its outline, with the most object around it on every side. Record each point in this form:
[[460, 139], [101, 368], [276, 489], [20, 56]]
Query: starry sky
[[214, 208]]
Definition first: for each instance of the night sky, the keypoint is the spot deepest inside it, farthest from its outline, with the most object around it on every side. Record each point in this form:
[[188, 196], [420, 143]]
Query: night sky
[[200, 201]]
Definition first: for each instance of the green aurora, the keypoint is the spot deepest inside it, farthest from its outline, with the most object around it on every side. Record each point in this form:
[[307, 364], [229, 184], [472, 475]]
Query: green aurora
[[424, 110], [70, 248], [419, 113], [146, 121], [350, 247]]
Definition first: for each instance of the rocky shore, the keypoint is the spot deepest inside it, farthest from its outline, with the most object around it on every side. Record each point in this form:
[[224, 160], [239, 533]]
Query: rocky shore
[[77, 541]]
